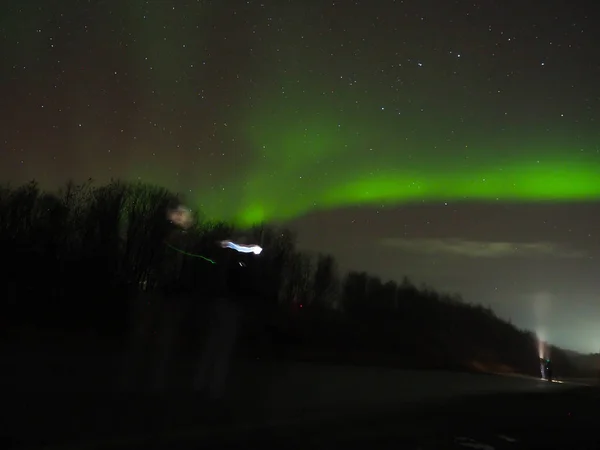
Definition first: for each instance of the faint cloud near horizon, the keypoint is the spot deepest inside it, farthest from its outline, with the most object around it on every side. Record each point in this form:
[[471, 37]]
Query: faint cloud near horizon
[[482, 249]]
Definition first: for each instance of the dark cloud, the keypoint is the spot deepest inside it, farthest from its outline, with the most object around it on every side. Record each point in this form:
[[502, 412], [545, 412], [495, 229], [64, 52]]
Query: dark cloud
[[483, 249]]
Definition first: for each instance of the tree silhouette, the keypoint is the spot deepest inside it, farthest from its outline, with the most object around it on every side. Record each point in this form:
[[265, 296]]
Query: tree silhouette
[[354, 292], [105, 259], [325, 283]]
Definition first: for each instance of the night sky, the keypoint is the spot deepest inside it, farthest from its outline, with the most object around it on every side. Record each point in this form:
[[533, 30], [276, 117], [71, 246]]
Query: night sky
[[456, 142]]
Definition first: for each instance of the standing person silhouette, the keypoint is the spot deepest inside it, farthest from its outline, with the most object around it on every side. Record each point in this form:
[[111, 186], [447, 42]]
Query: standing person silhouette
[[549, 374], [234, 283]]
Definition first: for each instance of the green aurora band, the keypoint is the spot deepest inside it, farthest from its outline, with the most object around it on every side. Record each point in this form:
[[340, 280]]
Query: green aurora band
[[303, 165], [271, 198], [302, 147], [297, 138], [319, 155]]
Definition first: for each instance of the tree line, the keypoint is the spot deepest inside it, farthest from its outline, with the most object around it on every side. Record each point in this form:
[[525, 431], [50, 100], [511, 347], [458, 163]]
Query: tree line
[[84, 259]]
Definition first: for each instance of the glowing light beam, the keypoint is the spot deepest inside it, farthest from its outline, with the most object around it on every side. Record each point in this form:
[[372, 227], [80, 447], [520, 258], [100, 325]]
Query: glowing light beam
[[256, 249]]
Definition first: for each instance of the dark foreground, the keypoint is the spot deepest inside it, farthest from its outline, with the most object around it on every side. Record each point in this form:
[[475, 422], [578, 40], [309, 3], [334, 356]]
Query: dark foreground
[[545, 416], [545, 420], [565, 419]]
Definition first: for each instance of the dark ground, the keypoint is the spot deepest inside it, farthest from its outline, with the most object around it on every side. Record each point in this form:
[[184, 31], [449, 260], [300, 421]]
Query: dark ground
[[548, 419], [51, 399], [566, 419], [431, 410]]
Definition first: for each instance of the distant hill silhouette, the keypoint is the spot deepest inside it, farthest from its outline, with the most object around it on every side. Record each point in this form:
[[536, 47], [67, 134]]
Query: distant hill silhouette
[[104, 261]]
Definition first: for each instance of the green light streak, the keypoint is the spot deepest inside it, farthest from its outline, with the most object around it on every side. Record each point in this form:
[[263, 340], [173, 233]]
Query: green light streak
[[194, 255]]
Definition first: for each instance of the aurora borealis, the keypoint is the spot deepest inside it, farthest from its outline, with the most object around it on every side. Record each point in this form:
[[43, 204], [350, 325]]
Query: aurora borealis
[[359, 115]]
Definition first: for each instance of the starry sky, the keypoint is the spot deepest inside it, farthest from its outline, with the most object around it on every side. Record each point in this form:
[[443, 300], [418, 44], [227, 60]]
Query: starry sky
[[456, 142]]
